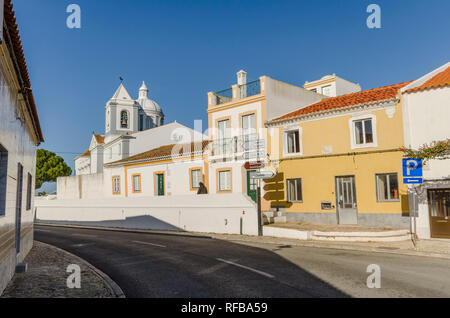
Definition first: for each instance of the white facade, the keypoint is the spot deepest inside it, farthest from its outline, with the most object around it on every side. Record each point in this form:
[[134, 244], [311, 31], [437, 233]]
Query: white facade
[[332, 86], [426, 114], [20, 134]]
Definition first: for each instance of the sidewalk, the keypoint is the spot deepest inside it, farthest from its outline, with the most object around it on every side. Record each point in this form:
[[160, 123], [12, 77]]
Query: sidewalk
[[46, 277], [426, 248]]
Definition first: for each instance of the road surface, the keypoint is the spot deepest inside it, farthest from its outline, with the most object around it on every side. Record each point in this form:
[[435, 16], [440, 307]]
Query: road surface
[[183, 266]]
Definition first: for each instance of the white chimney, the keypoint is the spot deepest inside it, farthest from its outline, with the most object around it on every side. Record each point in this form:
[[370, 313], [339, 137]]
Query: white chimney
[[242, 77]]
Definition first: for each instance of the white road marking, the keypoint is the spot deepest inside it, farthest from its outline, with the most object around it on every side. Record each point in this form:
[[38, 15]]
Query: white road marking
[[146, 243], [84, 235], [246, 267], [82, 245]]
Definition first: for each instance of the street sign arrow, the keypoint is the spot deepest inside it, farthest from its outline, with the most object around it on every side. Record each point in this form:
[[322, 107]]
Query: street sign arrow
[[254, 165], [263, 175]]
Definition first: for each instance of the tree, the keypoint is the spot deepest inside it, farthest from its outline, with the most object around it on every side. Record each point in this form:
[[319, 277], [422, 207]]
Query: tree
[[439, 150], [49, 167]]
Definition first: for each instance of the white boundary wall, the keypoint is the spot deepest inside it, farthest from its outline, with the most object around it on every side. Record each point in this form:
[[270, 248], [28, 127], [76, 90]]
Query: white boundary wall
[[213, 213]]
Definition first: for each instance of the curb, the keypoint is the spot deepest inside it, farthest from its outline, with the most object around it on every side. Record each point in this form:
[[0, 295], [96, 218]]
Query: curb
[[340, 247], [119, 229], [112, 285]]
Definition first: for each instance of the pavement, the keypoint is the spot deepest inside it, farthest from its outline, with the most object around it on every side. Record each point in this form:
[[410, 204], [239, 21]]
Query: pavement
[[190, 265], [47, 276]]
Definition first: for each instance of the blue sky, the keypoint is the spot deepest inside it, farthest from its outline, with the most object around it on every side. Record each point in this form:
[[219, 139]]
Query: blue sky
[[183, 49]]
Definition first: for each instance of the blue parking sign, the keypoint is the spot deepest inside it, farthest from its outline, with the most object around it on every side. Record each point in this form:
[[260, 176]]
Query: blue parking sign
[[412, 171]]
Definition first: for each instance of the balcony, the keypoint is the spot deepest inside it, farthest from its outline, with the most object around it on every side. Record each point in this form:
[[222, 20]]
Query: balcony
[[231, 147], [242, 91]]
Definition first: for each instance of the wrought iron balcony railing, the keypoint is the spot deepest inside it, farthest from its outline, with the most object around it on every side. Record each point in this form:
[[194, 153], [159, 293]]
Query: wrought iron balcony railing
[[243, 91]]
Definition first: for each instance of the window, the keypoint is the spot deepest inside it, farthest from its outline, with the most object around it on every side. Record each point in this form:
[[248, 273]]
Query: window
[[326, 90], [141, 122], [116, 184], [124, 119], [314, 90], [292, 142], [363, 132], [387, 187], [294, 190], [224, 181], [196, 178], [223, 144], [29, 190], [3, 179], [137, 183]]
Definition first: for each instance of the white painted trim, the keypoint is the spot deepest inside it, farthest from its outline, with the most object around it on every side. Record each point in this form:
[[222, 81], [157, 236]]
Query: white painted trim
[[300, 134], [353, 143]]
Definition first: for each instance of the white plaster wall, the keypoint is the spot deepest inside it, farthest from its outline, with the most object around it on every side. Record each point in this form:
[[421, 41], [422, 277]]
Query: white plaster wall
[[18, 138], [345, 87], [159, 136], [81, 187], [283, 98], [205, 213], [176, 178]]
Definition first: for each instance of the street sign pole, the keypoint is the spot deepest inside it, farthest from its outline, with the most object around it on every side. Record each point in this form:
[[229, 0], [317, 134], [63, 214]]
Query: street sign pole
[[260, 232]]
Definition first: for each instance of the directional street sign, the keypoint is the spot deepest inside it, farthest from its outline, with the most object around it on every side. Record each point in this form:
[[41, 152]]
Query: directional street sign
[[263, 175], [412, 171], [254, 144], [255, 154], [254, 165]]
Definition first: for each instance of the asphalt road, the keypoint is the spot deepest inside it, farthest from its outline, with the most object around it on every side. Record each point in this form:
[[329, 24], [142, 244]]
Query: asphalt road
[[179, 266]]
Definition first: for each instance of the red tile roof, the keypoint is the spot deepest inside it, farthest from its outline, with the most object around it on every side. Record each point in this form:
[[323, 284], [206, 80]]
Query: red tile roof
[[161, 152], [439, 80], [372, 95], [13, 36]]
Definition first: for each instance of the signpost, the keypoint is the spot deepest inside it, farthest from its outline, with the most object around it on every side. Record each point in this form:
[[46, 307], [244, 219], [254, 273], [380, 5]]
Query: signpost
[[254, 144], [254, 154], [254, 165], [264, 175], [413, 174]]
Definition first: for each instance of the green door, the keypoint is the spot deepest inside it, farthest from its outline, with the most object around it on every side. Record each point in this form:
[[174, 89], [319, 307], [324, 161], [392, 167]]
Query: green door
[[160, 182], [252, 185]]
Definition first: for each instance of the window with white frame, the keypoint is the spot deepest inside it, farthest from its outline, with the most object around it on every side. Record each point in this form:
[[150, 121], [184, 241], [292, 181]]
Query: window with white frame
[[326, 90], [292, 143], [29, 190], [363, 131], [196, 178], [116, 184], [137, 183], [224, 182], [248, 127], [294, 190], [387, 187]]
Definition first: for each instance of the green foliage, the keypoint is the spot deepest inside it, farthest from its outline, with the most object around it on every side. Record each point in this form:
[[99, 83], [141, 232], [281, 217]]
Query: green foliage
[[49, 166], [436, 150]]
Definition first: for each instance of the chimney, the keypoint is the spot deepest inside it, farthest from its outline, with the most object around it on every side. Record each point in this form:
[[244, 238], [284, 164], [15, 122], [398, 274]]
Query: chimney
[[241, 77]]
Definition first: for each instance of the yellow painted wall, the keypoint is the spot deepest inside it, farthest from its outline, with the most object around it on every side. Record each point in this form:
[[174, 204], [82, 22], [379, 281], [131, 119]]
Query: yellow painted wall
[[318, 182], [318, 174]]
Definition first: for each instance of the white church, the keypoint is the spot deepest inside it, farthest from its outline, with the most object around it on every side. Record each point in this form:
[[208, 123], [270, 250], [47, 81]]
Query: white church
[[132, 126]]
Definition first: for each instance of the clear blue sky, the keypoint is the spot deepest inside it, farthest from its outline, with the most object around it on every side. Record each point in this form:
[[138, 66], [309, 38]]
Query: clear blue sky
[[183, 49]]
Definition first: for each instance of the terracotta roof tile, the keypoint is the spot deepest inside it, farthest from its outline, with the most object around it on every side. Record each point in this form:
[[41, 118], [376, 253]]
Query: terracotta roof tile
[[439, 80], [16, 43], [372, 95], [160, 153]]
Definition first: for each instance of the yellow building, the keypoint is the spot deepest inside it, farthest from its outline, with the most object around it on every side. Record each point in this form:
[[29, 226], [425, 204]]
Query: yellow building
[[339, 161]]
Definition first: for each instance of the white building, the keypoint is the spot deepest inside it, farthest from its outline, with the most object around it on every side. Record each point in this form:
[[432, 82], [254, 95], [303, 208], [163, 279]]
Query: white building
[[131, 127], [20, 134], [332, 86], [237, 115], [426, 115]]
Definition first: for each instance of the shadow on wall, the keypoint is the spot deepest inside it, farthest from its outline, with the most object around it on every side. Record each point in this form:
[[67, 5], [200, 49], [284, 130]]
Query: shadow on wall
[[144, 222], [275, 192]]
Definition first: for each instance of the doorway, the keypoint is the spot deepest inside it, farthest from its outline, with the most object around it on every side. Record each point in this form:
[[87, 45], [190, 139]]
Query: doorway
[[252, 185], [439, 209], [347, 212]]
